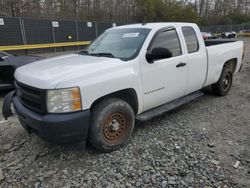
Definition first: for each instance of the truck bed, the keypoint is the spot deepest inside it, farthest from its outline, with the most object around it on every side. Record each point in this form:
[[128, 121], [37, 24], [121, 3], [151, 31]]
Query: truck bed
[[219, 52], [212, 42]]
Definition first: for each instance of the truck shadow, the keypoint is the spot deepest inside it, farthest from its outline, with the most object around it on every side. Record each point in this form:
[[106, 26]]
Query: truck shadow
[[52, 150], [185, 107]]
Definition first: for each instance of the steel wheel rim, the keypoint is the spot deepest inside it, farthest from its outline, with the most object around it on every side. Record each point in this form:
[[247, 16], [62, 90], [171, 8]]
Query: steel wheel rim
[[115, 128], [226, 82]]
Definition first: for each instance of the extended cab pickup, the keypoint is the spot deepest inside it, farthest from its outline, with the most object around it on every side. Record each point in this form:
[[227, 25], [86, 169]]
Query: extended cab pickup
[[130, 72]]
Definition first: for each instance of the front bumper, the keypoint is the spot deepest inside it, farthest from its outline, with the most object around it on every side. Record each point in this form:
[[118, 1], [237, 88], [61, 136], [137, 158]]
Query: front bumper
[[55, 128]]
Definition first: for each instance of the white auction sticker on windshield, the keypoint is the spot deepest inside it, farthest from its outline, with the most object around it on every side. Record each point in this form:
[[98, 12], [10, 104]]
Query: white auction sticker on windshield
[[130, 35], [1, 21]]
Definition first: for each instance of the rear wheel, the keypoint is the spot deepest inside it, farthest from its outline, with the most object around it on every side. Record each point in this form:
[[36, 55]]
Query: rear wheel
[[223, 86], [112, 124]]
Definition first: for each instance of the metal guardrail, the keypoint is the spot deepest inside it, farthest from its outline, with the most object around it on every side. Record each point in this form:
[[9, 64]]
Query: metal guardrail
[[39, 46]]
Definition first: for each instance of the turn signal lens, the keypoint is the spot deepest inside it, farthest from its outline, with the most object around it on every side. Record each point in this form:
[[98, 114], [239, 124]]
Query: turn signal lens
[[76, 105], [75, 93], [76, 99]]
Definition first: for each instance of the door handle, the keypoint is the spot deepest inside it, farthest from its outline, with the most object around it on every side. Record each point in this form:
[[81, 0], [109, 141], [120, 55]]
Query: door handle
[[181, 65]]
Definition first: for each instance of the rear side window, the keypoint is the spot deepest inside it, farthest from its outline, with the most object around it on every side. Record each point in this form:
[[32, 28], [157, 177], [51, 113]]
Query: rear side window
[[191, 39], [168, 39]]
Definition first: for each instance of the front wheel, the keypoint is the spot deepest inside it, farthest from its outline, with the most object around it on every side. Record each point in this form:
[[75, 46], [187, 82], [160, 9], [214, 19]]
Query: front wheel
[[223, 86], [112, 124]]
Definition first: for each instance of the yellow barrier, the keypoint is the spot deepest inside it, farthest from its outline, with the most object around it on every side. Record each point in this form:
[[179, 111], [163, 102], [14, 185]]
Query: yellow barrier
[[244, 34], [64, 44], [37, 46]]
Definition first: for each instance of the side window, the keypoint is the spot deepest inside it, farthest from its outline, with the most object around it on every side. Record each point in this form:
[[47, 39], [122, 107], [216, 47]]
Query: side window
[[169, 40], [191, 39]]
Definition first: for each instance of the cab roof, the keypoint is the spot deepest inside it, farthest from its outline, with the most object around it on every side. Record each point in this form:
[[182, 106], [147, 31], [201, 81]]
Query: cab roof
[[157, 25]]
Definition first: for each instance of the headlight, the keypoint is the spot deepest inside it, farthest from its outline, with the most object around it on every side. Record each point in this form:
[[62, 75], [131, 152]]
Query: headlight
[[64, 100]]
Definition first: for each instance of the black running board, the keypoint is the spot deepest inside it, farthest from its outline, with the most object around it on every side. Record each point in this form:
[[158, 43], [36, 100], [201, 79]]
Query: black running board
[[168, 106]]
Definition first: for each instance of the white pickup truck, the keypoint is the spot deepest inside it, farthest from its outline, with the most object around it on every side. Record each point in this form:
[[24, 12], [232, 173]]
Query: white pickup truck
[[130, 72]]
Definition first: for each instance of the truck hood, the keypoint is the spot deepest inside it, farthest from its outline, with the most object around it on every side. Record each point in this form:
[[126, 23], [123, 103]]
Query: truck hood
[[48, 73]]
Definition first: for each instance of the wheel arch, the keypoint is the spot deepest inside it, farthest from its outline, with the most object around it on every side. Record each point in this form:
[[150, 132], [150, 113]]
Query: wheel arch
[[128, 95], [232, 64]]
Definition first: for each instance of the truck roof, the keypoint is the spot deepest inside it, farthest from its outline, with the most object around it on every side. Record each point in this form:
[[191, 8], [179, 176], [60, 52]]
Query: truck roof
[[154, 25]]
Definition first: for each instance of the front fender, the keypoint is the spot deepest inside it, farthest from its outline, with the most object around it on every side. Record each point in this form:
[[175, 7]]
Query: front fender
[[107, 82]]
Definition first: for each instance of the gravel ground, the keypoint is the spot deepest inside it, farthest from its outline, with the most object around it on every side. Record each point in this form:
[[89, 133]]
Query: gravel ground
[[201, 144]]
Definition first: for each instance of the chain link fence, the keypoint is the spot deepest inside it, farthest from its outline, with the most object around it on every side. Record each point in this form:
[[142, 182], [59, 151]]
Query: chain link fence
[[25, 31], [22, 31], [226, 28]]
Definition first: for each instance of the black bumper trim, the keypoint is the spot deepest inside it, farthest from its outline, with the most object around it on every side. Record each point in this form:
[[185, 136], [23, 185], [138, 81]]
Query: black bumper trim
[[55, 128], [6, 108], [4, 86]]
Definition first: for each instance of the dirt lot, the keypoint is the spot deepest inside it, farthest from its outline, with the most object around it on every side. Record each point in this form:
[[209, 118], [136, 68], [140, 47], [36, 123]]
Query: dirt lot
[[196, 145]]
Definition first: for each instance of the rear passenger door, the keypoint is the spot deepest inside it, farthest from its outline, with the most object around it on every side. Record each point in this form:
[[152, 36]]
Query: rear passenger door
[[165, 79], [196, 59]]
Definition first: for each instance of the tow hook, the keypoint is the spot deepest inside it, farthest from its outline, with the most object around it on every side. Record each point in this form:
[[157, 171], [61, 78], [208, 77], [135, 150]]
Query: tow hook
[[6, 109]]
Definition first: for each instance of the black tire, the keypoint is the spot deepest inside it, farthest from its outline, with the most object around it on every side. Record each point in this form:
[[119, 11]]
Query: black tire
[[223, 86], [112, 124]]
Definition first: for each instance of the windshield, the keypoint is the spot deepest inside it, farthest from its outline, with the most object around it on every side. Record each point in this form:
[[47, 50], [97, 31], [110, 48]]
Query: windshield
[[124, 44]]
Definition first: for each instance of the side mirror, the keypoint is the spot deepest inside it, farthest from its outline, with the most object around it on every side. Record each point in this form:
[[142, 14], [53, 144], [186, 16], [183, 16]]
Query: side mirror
[[1, 59], [158, 54]]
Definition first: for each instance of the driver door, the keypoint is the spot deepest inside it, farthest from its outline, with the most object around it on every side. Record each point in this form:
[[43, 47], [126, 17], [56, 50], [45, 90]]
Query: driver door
[[166, 79]]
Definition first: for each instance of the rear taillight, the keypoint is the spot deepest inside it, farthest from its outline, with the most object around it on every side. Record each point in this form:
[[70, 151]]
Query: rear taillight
[[205, 37]]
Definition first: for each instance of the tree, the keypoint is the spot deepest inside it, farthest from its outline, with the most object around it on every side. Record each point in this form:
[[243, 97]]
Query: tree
[[205, 12]]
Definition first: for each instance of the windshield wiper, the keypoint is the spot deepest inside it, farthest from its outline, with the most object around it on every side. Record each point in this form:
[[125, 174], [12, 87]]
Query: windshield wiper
[[103, 55], [84, 52]]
